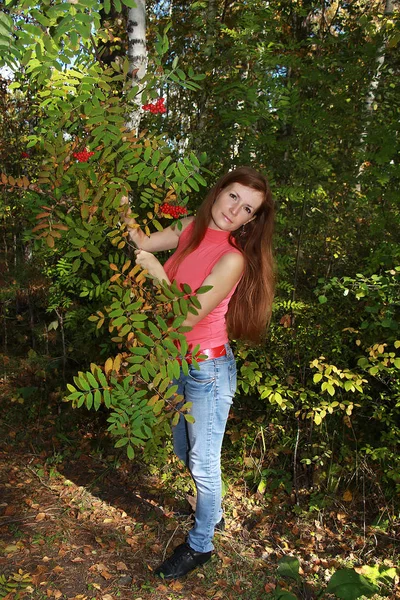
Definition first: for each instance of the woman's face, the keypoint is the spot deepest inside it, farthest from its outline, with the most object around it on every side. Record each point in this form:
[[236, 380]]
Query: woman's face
[[234, 206]]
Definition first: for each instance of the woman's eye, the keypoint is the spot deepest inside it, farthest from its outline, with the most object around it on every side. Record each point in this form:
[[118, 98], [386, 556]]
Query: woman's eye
[[248, 209], [233, 196]]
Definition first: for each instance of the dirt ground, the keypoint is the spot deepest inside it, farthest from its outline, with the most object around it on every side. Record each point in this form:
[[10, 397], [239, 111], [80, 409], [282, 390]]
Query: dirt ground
[[74, 526]]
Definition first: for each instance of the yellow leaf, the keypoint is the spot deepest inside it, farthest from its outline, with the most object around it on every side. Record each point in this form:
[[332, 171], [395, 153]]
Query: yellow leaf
[[108, 365], [347, 496], [317, 419], [117, 363]]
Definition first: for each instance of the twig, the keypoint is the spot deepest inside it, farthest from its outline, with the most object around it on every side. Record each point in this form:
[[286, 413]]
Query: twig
[[40, 479], [169, 541]]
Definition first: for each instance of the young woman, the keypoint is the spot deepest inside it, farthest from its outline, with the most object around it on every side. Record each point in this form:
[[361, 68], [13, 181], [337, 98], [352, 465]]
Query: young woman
[[228, 246]]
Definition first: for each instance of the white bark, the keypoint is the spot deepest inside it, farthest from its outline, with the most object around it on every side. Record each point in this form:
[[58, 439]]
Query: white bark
[[137, 54], [380, 59]]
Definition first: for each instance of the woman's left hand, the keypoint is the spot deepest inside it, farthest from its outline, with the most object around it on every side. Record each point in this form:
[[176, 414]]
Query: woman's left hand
[[148, 261]]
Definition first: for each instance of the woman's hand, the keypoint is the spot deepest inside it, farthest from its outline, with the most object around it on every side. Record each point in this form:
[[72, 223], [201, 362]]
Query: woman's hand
[[149, 262]]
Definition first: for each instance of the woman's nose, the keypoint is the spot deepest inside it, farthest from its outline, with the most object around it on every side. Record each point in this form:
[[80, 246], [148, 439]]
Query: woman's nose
[[234, 209]]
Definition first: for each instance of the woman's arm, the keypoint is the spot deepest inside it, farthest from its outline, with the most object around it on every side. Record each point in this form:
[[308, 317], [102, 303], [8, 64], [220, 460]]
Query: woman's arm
[[167, 239], [149, 262], [224, 276]]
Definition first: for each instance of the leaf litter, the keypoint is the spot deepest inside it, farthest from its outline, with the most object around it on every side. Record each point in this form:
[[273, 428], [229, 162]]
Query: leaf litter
[[81, 530]]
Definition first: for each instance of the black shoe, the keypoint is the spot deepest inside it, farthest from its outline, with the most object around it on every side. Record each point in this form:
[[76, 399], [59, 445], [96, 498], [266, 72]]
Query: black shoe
[[183, 560], [220, 526]]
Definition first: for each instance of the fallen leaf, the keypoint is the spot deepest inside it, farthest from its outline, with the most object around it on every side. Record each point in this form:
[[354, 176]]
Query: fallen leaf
[[96, 586], [11, 549], [347, 496], [132, 541], [9, 511], [57, 594], [121, 566], [40, 516], [226, 561], [176, 586], [269, 587], [58, 569]]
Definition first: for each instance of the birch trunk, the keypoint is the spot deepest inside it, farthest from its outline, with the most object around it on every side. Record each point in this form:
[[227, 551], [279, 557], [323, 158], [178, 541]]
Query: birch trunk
[[137, 55], [373, 86]]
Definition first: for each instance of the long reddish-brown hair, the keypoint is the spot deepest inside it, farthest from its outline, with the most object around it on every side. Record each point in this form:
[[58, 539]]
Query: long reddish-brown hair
[[250, 307]]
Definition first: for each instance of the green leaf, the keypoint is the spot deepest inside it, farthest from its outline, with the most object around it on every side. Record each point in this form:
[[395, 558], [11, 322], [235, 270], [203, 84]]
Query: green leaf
[[170, 391], [92, 380], [139, 350], [121, 442], [145, 339], [107, 398], [189, 418], [154, 330], [203, 289], [176, 369], [97, 400], [288, 566], [349, 585], [164, 384], [83, 384], [89, 400]]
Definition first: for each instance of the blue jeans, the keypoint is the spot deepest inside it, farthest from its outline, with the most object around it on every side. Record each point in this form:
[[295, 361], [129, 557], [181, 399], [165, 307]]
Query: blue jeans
[[198, 444]]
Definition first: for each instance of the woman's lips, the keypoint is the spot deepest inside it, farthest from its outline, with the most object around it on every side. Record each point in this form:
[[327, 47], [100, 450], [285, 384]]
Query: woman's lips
[[226, 218]]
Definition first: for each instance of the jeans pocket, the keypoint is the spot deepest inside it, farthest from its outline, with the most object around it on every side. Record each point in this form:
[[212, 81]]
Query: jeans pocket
[[233, 378], [205, 375]]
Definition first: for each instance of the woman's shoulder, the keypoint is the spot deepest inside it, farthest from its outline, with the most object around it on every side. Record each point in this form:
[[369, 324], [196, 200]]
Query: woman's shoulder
[[233, 259]]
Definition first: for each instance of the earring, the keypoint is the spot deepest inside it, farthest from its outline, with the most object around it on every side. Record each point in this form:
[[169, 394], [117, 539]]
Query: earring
[[243, 230]]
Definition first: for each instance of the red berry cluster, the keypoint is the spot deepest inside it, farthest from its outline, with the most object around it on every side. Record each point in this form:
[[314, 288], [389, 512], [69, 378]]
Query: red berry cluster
[[24, 155], [157, 107], [82, 156], [174, 211]]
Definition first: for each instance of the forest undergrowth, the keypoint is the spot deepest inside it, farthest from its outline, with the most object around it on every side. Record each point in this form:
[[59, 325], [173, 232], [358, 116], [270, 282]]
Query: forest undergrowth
[[79, 521]]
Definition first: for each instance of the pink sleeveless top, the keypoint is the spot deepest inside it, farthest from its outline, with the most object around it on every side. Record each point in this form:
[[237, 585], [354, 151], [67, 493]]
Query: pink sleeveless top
[[210, 331]]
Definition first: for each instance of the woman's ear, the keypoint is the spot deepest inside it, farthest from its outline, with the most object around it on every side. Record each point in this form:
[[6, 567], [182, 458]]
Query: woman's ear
[[250, 220]]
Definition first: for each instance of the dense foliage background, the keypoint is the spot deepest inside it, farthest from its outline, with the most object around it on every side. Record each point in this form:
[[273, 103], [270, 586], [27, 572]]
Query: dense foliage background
[[308, 92]]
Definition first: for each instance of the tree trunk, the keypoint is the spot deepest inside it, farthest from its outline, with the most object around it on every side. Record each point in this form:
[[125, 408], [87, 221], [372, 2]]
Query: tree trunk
[[373, 86], [137, 54]]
